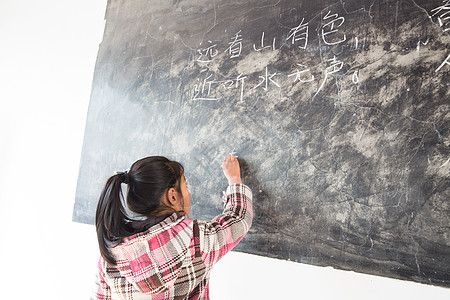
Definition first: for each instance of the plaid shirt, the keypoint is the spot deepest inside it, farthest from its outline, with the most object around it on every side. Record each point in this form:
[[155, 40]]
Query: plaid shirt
[[173, 259]]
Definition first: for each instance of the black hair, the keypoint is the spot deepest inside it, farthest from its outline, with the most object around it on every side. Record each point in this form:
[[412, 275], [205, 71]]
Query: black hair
[[148, 179]]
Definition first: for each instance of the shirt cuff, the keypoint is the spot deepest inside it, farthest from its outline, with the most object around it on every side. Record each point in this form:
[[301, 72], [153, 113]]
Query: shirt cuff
[[236, 188]]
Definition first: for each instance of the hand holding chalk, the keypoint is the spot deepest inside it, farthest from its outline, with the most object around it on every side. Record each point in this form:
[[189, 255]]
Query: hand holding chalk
[[231, 169]]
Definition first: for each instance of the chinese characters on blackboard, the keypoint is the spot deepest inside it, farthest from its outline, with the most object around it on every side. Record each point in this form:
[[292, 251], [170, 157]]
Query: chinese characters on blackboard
[[330, 34]]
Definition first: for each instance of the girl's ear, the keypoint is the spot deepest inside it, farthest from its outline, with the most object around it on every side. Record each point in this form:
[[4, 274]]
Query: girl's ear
[[172, 197]]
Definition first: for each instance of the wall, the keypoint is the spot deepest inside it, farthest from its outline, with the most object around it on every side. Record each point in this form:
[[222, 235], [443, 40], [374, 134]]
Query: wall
[[46, 65]]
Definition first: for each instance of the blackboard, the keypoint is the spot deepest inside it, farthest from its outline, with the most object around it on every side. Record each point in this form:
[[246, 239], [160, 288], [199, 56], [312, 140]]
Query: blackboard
[[337, 110]]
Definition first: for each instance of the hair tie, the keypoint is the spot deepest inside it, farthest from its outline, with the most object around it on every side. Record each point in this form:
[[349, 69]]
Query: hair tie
[[125, 177]]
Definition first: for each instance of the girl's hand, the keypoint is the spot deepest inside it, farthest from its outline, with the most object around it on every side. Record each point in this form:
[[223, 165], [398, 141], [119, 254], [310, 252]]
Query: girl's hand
[[231, 169]]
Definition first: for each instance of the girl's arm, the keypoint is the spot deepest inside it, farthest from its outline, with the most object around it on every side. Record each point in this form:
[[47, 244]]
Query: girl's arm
[[225, 231]]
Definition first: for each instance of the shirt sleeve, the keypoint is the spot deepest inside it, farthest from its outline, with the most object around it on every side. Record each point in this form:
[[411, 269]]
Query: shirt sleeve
[[101, 289], [225, 231]]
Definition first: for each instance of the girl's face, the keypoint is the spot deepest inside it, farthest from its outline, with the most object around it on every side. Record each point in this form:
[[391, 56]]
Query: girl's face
[[186, 196]]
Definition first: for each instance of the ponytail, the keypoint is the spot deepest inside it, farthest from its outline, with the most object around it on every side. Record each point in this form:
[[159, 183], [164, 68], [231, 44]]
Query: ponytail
[[147, 181], [111, 221]]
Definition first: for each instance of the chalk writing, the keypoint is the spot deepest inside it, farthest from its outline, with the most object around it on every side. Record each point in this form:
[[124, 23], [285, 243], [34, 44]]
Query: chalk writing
[[298, 74], [329, 32], [443, 15], [419, 43], [335, 66], [235, 48], [202, 90], [265, 80], [233, 152], [299, 34], [262, 44], [330, 29], [446, 62], [207, 54], [239, 81], [355, 77]]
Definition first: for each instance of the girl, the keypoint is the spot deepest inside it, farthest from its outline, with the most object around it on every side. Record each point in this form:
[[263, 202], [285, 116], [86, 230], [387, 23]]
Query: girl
[[166, 255]]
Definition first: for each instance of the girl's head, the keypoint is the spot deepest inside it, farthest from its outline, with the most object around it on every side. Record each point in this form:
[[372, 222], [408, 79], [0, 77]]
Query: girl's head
[[156, 186]]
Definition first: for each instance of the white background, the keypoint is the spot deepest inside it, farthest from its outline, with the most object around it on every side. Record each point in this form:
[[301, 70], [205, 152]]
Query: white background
[[47, 57]]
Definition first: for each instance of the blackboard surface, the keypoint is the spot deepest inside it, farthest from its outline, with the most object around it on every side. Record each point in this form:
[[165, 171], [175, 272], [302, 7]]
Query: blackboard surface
[[338, 111]]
